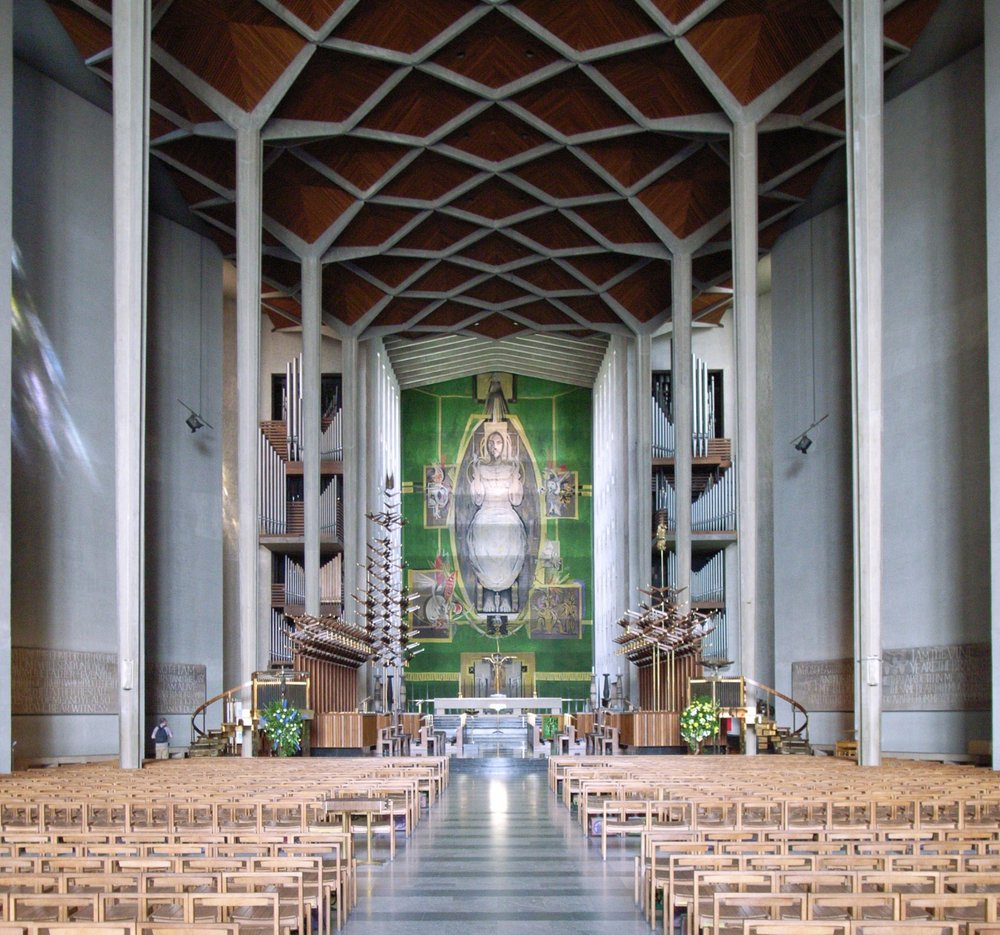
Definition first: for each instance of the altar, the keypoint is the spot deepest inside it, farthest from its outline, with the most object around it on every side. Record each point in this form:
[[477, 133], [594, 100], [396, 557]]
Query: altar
[[496, 704]]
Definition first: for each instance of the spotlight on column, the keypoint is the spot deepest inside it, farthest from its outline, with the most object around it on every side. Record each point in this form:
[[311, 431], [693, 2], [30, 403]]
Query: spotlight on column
[[802, 442], [194, 421]]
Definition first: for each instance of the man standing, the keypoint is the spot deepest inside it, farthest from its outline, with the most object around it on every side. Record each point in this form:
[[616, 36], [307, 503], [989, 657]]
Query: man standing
[[161, 736]]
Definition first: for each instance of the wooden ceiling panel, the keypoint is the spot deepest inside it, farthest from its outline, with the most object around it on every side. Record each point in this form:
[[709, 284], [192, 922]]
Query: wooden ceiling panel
[[436, 233], [496, 136], [562, 176], [820, 86], [448, 315], [677, 10], [359, 161], [572, 104], [346, 295], [237, 46], [835, 117], [417, 106], [550, 277], [332, 86], [600, 268], [799, 186], [768, 237], [496, 326], [399, 312], [751, 44], [314, 13], [542, 313], [375, 224], [618, 223], [554, 232], [495, 51], [494, 200], [769, 208], [211, 158], [301, 200], [591, 308], [159, 126], [659, 82], [225, 241], [444, 277], [691, 194], [586, 25], [646, 293], [88, 33], [401, 27], [496, 291], [708, 268], [906, 22], [391, 271], [496, 250], [629, 159], [191, 190], [165, 89], [428, 178], [284, 272], [785, 149], [224, 213]]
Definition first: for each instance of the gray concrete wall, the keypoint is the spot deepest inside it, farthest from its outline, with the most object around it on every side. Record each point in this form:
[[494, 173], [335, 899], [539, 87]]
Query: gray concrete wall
[[63, 472], [935, 506]]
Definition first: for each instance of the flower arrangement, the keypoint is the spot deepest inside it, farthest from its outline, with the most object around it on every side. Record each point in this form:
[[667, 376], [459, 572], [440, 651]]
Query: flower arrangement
[[283, 726], [699, 720]]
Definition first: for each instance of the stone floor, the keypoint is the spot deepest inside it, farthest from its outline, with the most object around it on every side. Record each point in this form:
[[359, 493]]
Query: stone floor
[[498, 854]]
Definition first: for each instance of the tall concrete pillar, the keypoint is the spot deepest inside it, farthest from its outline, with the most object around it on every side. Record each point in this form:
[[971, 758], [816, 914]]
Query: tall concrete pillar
[[744, 222], [682, 391], [6, 248], [130, 37], [248, 264], [863, 67], [311, 429], [992, 114]]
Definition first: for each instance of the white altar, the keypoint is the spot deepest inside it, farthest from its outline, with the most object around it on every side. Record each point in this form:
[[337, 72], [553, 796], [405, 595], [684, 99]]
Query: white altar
[[497, 704]]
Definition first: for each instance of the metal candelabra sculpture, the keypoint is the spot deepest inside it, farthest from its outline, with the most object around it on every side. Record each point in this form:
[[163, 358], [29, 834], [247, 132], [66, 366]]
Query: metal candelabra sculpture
[[661, 630], [384, 605]]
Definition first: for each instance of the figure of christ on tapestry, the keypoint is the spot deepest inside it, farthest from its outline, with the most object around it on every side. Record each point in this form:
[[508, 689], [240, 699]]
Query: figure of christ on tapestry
[[497, 528]]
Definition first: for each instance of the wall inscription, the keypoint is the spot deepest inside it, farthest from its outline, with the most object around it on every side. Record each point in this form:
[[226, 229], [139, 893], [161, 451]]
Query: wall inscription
[[56, 681], [923, 678]]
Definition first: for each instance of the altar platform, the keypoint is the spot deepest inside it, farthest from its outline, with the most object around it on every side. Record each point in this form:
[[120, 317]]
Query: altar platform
[[495, 704]]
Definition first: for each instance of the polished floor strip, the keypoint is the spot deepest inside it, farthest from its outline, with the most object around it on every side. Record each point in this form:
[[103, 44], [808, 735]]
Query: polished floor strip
[[498, 854]]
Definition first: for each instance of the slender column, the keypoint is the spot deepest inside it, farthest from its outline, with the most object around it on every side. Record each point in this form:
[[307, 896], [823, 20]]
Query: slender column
[[744, 169], [130, 36], [248, 221], [640, 449], [992, 114], [682, 392], [6, 247], [863, 67], [354, 502], [311, 430]]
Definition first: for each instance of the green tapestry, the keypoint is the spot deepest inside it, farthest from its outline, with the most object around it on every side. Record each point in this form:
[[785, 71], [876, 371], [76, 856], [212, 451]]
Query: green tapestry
[[497, 498]]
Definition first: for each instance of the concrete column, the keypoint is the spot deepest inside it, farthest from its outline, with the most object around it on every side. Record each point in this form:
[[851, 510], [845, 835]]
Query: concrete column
[[992, 114], [863, 67], [744, 169], [248, 229], [682, 391], [354, 495], [6, 247], [311, 429], [640, 503], [130, 36]]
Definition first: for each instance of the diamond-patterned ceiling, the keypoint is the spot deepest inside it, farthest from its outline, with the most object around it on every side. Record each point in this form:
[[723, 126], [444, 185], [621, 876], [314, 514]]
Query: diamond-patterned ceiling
[[494, 167]]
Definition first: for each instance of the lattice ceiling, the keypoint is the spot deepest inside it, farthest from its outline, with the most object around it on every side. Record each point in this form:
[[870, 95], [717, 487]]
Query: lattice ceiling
[[494, 167]]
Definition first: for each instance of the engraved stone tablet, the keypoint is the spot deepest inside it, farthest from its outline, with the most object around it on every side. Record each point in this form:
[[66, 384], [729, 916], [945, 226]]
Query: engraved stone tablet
[[923, 678]]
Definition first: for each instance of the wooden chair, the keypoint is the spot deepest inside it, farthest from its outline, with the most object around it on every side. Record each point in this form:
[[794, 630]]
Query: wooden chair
[[794, 927], [731, 910]]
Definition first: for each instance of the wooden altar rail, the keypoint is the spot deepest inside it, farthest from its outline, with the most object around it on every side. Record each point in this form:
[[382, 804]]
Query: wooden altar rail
[[650, 729]]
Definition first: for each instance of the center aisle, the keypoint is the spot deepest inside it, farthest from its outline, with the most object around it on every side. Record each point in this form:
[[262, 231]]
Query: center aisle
[[497, 854]]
